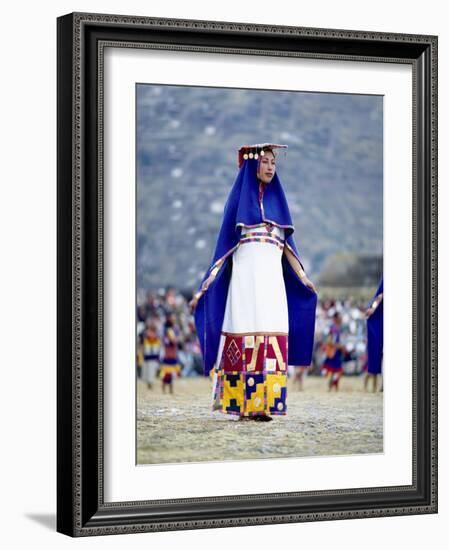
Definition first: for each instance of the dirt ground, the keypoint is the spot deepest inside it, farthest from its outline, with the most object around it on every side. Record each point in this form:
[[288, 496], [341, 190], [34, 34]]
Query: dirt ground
[[182, 428]]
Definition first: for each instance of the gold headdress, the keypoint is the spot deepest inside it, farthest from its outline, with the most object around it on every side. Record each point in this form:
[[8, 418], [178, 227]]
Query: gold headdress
[[256, 150]]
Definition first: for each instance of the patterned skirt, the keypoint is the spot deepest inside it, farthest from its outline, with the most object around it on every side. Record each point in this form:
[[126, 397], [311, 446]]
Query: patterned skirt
[[251, 378], [170, 368]]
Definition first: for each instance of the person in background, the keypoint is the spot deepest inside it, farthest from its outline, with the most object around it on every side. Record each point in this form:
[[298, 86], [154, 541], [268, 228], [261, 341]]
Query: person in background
[[139, 360], [375, 321], [333, 362], [141, 319], [151, 345], [170, 366], [298, 376]]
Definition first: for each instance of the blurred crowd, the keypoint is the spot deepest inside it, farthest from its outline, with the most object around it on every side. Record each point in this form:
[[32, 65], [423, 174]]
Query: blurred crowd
[[353, 334], [168, 309]]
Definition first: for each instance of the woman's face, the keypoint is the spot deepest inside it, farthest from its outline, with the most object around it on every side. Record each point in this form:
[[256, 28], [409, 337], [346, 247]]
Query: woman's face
[[267, 167]]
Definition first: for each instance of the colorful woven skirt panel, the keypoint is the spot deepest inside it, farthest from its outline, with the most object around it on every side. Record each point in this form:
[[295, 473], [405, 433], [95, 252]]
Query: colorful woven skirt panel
[[251, 377], [169, 369]]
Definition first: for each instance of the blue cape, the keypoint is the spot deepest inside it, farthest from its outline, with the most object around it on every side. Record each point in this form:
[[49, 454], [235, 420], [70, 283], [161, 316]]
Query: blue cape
[[375, 329], [243, 208]]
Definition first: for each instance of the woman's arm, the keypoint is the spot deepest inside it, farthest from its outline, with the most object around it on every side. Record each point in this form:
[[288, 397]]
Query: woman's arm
[[194, 301], [297, 267], [374, 305]]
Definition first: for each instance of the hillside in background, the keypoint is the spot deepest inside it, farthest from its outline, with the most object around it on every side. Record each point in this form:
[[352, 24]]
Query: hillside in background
[[187, 142]]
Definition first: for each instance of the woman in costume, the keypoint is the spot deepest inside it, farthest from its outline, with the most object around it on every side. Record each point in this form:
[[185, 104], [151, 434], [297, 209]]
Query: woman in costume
[[375, 326], [151, 352], [333, 362], [170, 366], [255, 309]]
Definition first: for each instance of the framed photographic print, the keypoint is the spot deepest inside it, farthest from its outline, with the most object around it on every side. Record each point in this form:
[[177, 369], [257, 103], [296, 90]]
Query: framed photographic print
[[247, 274]]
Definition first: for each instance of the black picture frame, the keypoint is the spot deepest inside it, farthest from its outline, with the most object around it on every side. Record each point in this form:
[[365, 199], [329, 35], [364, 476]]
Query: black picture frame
[[81, 510]]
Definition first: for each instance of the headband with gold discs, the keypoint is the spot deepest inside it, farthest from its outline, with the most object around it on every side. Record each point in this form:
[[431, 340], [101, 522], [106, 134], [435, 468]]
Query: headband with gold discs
[[254, 151]]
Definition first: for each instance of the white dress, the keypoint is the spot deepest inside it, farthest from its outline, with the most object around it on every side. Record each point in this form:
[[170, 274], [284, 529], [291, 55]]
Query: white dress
[[257, 300]]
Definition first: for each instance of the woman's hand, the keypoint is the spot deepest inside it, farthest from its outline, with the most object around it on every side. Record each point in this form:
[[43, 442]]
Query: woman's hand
[[309, 284], [298, 269], [369, 312], [193, 303], [374, 305]]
